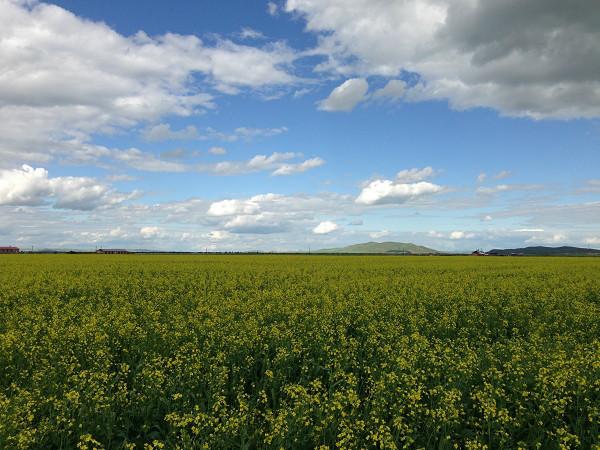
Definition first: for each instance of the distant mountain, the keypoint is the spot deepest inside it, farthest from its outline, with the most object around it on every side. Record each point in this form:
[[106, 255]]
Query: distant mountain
[[547, 251], [388, 248]]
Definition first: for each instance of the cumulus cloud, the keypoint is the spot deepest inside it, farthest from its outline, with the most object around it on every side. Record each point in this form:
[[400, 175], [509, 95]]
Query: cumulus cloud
[[30, 186], [233, 207], [70, 78], [346, 96], [537, 59], [381, 192], [325, 227], [455, 235]]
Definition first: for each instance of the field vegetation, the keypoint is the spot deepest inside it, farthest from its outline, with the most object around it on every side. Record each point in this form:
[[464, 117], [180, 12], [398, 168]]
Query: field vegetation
[[148, 352]]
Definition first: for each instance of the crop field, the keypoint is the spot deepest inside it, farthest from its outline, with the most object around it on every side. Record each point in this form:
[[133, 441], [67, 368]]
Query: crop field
[[149, 352]]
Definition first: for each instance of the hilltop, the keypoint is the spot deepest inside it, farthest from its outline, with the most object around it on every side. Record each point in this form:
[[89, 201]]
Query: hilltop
[[390, 248], [547, 251]]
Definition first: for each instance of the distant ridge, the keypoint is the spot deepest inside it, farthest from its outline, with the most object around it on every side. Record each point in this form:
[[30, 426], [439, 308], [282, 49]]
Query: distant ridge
[[389, 248], [546, 251]]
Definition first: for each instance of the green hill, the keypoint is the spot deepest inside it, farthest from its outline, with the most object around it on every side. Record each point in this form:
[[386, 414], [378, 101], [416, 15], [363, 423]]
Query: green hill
[[389, 248]]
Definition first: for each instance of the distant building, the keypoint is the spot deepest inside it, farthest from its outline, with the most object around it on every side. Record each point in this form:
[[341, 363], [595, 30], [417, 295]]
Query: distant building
[[9, 250], [479, 253], [112, 251]]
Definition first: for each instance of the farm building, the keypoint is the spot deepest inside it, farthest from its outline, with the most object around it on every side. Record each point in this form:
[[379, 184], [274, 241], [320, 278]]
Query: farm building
[[9, 249], [112, 251]]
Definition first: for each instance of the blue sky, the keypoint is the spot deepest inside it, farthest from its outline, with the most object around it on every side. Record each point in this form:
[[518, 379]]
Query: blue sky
[[283, 125]]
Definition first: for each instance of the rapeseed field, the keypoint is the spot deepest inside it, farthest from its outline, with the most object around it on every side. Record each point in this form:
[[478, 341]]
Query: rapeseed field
[[222, 352]]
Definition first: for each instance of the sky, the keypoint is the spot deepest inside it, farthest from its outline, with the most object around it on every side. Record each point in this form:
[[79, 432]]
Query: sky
[[289, 125]]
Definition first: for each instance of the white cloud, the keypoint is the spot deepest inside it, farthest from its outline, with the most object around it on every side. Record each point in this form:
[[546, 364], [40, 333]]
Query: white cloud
[[414, 175], [488, 190], [379, 234], [557, 238], [346, 96], [218, 235], [536, 59], [71, 78], [379, 192], [325, 227], [233, 207], [481, 177], [32, 187], [290, 169], [276, 163], [394, 90], [263, 223], [487, 218], [455, 235], [248, 33], [150, 232]]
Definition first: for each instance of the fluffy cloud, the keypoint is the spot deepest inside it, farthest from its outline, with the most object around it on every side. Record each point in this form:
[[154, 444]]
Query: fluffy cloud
[[233, 207], [537, 59], [69, 78], [380, 192], [455, 235], [32, 187], [325, 227], [346, 96]]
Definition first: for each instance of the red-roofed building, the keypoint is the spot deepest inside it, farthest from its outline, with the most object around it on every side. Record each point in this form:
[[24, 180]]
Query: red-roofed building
[[4, 250]]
